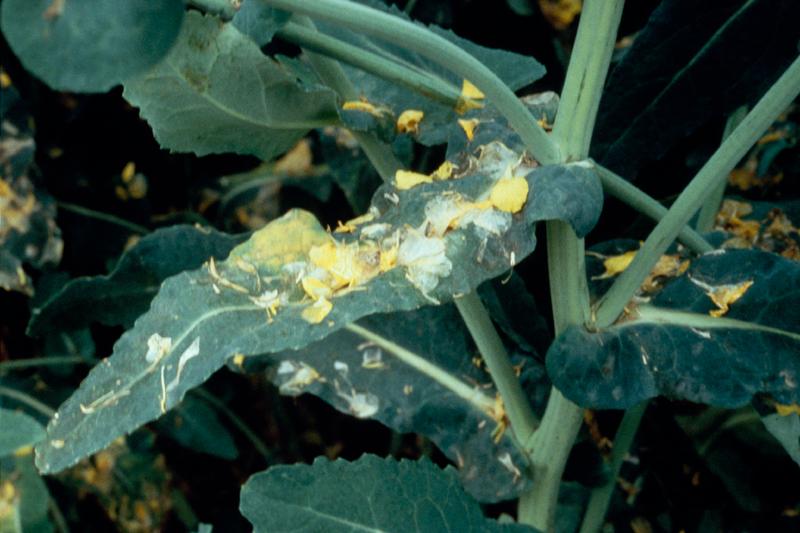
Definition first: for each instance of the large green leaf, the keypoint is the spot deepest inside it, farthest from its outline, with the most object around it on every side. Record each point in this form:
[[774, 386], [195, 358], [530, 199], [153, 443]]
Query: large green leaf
[[786, 430], [196, 426], [678, 74], [259, 21], [124, 294], [515, 70], [216, 92], [19, 430], [426, 384], [294, 283], [90, 45], [673, 347], [370, 494], [29, 504]]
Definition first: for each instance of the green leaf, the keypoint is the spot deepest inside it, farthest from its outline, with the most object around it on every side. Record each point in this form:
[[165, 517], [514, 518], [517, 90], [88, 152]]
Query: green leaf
[[216, 92], [521, 7], [30, 493], [19, 430], [674, 347], [370, 494], [677, 74], [293, 283], [515, 70], [195, 425], [259, 21], [90, 45], [427, 387], [124, 294], [786, 430]]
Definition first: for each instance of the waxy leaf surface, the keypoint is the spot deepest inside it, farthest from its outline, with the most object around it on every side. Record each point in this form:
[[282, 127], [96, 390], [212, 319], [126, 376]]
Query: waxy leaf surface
[[293, 283], [19, 430], [90, 45], [674, 347], [259, 21], [124, 294], [515, 70], [369, 494], [438, 390], [216, 92]]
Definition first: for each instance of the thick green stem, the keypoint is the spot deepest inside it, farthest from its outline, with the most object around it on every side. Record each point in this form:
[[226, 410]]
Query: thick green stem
[[601, 496], [426, 43], [716, 170], [572, 131], [586, 75], [518, 408], [623, 190], [708, 212], [331, 73], [379, 65], [28, 400]]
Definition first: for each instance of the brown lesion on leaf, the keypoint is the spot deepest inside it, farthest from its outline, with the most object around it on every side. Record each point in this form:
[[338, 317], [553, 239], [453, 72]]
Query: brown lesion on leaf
[[723, 296], [54, 10]]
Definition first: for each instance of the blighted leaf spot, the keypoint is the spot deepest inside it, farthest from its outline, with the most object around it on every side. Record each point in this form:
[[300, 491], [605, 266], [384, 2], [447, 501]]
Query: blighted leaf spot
[[723, 296], [157, 348], [409, 120], [425, 260], [293, 377]]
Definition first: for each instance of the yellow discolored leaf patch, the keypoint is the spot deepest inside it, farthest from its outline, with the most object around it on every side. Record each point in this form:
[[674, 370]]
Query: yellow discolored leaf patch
[[510, 194], [284, 240], [409, 120], [469, 126]]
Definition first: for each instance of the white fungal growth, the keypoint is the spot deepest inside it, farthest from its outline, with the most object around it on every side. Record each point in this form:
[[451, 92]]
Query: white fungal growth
[[372, 358], [157, 347], [360, 404], [192, 351], [424, 259], [296, 376]]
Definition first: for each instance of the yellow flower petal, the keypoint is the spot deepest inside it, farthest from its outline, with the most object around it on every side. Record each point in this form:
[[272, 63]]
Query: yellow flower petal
[[408, 121], [786, 410], [469, 98], [316, 312], [469, 127], [444, 172], [406, 179], [510, 194], [724, 296]]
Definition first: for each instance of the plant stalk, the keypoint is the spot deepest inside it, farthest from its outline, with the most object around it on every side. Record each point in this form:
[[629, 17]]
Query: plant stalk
[[426, 43], [43, 361], [518, 408], [331, 73], [623, 190], [709, 210], [715, 171], [583, 87], [28, 400], [379, 65], [600, 497]]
